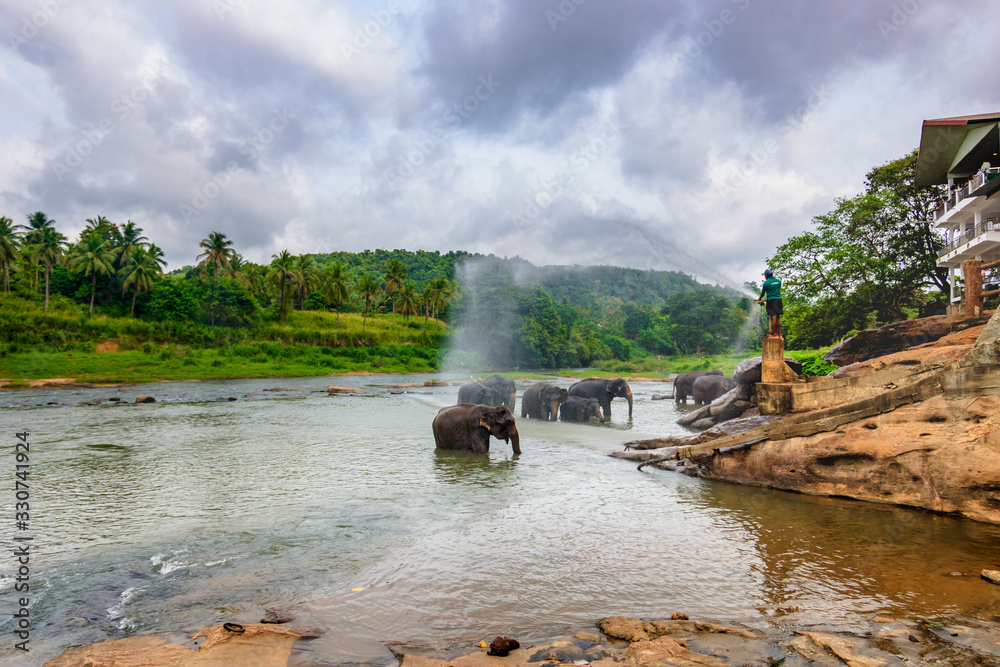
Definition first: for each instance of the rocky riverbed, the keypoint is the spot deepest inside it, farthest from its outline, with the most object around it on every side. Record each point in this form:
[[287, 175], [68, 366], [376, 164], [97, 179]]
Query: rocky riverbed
[[614, 641]]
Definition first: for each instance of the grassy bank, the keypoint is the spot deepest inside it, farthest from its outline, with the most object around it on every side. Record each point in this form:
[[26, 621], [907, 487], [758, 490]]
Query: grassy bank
[[114, 350]]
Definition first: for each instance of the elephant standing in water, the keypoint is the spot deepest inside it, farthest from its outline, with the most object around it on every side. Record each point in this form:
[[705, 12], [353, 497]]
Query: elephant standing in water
[[504, 387], [603, 391], [577, 409], [707, 388], [470, 427], [479, 394], [684, 383], [542, 401]]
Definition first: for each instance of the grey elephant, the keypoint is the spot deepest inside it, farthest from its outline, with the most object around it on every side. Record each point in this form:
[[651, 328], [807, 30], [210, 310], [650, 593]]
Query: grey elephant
[[603, 391], [504, 387], [578, 409], [542, 401], [469, 427], [707, 388], [684, 383], [478, 393]]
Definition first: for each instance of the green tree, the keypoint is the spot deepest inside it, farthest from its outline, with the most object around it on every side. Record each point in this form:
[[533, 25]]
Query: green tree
[[49, 249], [141, 275], [336, 287], [701, 322], [130, 243], [92, 256], [217, 255], [308, 276], [33, 231], [394, 275], [409, 300], [368, 289], [9, 239], [283, 273]]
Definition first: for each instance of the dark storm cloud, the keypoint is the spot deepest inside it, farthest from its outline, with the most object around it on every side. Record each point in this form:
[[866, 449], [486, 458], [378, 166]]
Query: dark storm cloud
[[543, 53]]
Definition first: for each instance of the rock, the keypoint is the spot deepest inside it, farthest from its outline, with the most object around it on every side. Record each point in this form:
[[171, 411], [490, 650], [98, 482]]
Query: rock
[[667, 651], [346, 390], [143, 398], [588, 637], [722, 403], [987, 348], [502, 646], [872, 343], [748, 372], [623, 627], [992, 576], [275, 616], [678, 616], [560, 652], [436, 383], [847, 649], [750, 412], [704, 424], [258, 645], [114, 399], [694, 415], [919, 455], [660, 397]]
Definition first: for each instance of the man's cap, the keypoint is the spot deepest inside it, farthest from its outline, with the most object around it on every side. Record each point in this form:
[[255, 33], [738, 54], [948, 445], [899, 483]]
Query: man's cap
[[767, 273]]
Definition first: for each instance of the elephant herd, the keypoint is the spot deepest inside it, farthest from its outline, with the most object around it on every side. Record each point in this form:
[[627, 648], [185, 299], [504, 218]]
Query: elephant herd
[[487, 409], [701, 386]]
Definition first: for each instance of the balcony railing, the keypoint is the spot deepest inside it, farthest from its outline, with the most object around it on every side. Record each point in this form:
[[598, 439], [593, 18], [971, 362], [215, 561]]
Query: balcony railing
[[988, 225], [963, 191]]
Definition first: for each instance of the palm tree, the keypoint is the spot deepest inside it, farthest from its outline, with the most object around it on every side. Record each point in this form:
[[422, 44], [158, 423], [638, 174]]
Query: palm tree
[[141, 274], [308, 276], [103, 227], [442, 291], [368, 289], [395, 274], [218, 252], [49, 251], [156, 254], [282, 271], [132, 241], [92, 256], [9, 238], [37, 222], [409, 301], [336, 286]]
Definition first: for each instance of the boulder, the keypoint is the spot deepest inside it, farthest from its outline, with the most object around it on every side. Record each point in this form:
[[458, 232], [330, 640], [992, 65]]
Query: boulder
[[748, 372], [702, 424], [143, 398], [694, 416], [890, 338]]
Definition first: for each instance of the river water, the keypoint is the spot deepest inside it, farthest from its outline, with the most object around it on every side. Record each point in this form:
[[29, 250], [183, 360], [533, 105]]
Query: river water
[[167, 517]]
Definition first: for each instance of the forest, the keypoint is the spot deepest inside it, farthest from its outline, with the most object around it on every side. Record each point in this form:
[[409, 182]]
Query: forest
[[869, 261]]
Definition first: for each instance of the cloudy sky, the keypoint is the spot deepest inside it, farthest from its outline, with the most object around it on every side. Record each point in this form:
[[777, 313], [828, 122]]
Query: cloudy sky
[[674, 134]]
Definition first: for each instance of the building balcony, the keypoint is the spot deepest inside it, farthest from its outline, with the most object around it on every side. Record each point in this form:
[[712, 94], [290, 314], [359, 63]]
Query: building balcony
[[973, 188], [981, 240]]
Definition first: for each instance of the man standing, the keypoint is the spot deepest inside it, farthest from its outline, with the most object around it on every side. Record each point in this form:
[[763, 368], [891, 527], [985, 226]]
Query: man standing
[[771, 292]]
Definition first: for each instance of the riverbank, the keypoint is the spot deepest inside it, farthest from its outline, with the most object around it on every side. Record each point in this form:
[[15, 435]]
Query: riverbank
[[614, 641]]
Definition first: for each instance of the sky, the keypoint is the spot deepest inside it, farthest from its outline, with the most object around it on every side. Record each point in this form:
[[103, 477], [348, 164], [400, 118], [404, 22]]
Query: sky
[[691, 135]]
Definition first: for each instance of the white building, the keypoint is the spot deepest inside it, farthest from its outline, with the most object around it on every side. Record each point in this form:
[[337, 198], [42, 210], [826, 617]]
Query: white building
[[962, 153]]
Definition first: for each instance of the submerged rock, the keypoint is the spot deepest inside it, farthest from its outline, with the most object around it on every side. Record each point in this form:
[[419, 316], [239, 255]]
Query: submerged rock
[[143, 398]]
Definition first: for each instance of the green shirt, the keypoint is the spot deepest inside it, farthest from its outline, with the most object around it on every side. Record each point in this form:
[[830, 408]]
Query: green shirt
[[772, 288]]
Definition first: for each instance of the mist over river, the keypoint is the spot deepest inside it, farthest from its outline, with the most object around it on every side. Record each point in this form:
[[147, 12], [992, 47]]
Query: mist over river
[[167, 517]]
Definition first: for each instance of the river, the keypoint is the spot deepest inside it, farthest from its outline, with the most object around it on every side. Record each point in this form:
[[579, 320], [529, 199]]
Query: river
[[167, 517]]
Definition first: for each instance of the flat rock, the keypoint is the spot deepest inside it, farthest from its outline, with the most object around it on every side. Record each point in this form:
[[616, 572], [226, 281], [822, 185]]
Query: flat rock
[[347, 390], [992, 576]]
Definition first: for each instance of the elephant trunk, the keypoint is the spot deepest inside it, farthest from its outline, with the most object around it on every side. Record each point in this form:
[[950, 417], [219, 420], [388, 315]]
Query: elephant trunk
[[515, 440], [628, 395]]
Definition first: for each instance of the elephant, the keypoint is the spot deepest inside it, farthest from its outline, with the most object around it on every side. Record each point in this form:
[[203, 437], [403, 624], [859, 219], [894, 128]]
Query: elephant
[[505, 388], [466, 426], [542, 401], [479, 394], [683, 384], [603, 391], [707, 388], [577, 409]]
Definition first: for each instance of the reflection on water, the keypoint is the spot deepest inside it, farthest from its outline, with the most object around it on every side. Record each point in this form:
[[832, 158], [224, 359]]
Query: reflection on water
[[171, 516]]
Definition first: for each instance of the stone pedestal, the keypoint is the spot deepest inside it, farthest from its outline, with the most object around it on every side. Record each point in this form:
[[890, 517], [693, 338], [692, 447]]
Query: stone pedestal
[[773, 367]]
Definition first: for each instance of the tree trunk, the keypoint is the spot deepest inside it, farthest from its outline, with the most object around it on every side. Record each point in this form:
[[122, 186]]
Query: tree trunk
[[93, 288], [338, 315], [134, 295], [48, 272]]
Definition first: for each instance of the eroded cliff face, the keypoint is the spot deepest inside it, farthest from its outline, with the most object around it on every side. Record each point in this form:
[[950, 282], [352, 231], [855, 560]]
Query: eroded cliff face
[[938, 454]]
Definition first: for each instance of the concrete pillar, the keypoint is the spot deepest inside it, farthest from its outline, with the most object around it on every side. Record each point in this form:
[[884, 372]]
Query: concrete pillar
[[773, 367], [972, 270]]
